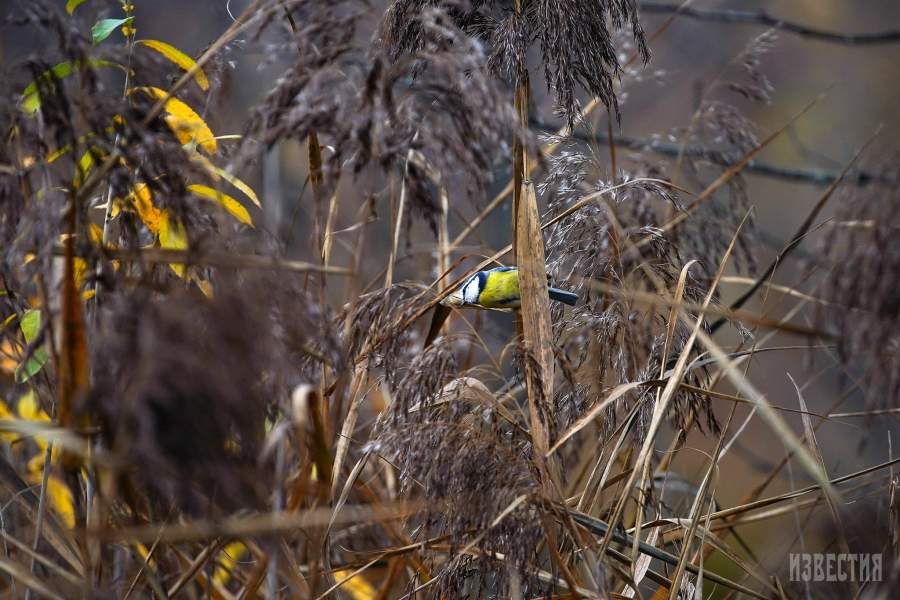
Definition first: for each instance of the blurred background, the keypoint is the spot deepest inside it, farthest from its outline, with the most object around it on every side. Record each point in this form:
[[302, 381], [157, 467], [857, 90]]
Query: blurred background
[[860, 84]]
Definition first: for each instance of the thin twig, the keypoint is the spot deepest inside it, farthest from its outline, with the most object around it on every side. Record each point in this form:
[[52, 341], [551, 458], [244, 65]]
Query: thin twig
[[226, 260], [799, 235], [761, 17], [812, 176], [41, 511]]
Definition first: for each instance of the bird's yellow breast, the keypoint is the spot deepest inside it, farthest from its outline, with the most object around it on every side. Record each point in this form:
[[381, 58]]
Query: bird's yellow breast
[[501, 290]]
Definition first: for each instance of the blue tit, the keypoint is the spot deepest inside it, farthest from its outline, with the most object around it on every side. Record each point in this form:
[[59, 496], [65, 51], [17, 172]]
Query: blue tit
[[498, 288]]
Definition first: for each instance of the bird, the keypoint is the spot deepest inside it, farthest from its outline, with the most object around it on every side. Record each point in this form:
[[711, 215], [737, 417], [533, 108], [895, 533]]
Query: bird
[[498, 289]]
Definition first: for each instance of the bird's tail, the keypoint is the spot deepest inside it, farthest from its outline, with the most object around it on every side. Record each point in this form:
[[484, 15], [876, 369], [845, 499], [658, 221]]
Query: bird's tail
[[563, 296]]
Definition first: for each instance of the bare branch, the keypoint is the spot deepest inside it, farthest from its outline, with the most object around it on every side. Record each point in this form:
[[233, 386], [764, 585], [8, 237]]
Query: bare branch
[[812, 176], [217, 259], [761, 17]]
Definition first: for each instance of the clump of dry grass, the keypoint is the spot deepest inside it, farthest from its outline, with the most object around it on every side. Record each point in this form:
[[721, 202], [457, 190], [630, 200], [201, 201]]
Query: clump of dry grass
[[202, 408]]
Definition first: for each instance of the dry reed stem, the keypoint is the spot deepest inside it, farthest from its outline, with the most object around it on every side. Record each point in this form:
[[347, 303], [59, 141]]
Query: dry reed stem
[[535, 314]]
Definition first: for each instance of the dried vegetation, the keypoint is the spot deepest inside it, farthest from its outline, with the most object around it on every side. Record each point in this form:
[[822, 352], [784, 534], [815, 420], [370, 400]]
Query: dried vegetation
[[195, 403]]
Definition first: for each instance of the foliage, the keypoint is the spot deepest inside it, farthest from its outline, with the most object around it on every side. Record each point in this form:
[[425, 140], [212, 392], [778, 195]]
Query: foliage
[[200, 396]]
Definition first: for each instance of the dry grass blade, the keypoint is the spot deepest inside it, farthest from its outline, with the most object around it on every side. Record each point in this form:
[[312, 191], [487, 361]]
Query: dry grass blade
[[744, 316], [497, 520], [668, 393], [769, 414], [345, 492], [337, 585], [707, 536], [697, 509], [800, 233], [817, 452], [595, 485], [256, 524], [601, 528], [727, 512], [641, 565], [22, 497], [438, 319], [46, 561], [398, 224], [224, 260], [535, 320], [738, 399], [195, 565], [789, 291], [21, 574], [349, 424], [595, 411], [672, 320]]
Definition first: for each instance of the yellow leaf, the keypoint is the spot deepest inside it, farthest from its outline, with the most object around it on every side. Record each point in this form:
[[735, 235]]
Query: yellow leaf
[[29, 409], [231, 205], [80, 270], [145, 553], [59, 495], [85, 164], [53, 156], [142, 201], [179, 58], [172, 235], [8, 363], [230, 556], [216, 172], [170, 232], [204, 285], [357, 587], [191, 129], [7, 415], [96, 233], [186, 124], [71, 5]]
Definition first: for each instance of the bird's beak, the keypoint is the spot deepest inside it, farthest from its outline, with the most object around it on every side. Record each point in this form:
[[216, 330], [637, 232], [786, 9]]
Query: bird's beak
[[454, 300]]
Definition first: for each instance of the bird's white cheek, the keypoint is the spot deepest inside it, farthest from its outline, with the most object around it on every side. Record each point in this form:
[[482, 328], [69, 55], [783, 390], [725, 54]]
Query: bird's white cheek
[[470, 292]]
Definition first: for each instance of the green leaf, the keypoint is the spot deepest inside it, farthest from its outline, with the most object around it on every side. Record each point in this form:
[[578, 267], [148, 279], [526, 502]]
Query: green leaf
[[103, 29], [30, 324], [31, 95], [31, 99], [71, 5], [31, 327]]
